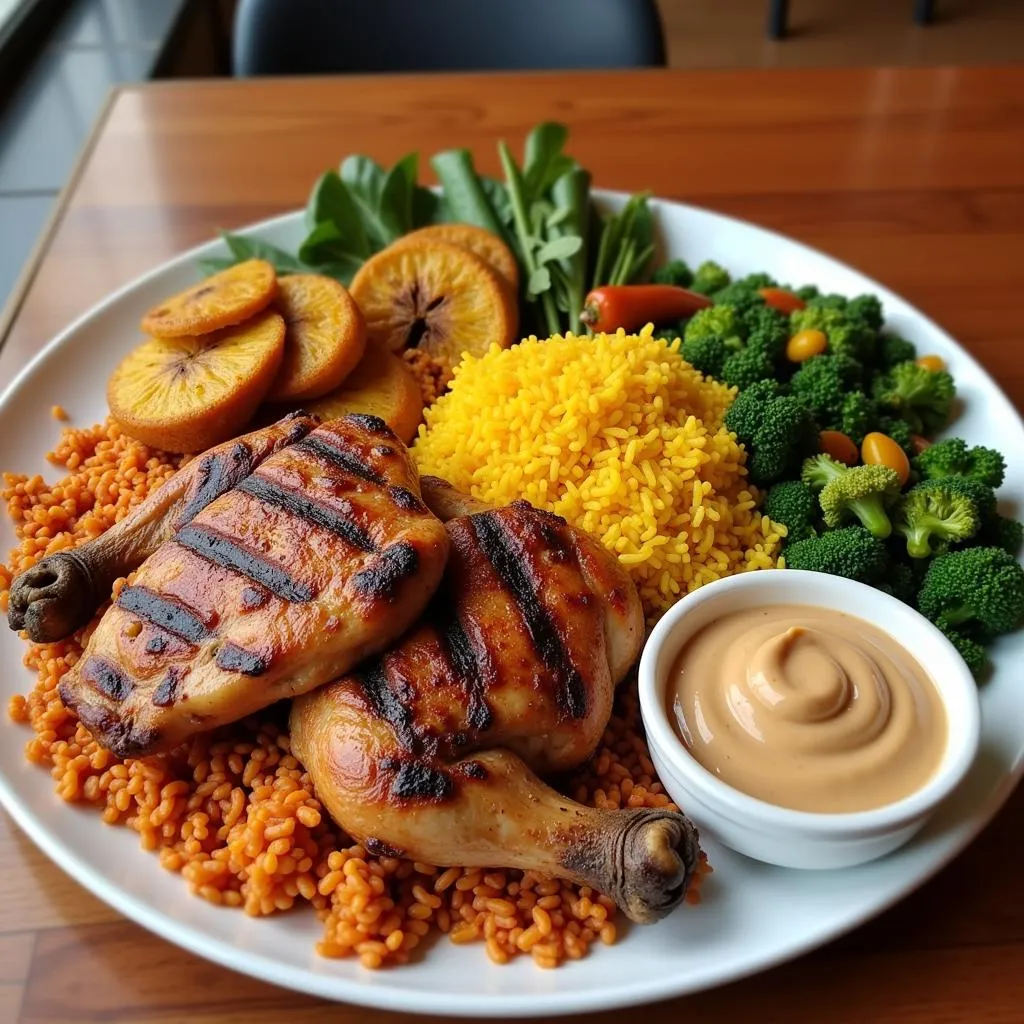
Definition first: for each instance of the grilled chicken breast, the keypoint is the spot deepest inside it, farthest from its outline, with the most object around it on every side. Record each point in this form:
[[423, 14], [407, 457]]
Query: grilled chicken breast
[[429, 750], [316, 558]]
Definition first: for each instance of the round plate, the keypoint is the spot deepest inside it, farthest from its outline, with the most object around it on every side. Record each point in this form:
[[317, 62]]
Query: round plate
[[735, 931]]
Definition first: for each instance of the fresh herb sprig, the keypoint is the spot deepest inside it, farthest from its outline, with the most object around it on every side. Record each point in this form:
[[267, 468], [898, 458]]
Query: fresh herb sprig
[[543, 210]]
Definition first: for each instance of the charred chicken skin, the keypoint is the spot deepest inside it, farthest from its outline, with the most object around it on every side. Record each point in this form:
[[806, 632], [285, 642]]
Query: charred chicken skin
[[270, 565], [430, 750]]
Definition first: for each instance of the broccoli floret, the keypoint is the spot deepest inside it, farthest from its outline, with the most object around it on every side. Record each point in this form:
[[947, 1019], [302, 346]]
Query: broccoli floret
[[856, 418], [823, 382], [707, 354], [669, 332], [674, 272], [759, 280], [901, 582], [829, 300], [977, 589], [808, 292], [892, 349], [952, 457], [710, 277], [984, 498], [922, 398], [820, 470], [863, 493], [848, 335], [867, 308], [973, 653], [716, 322], [899, 431], [745, 414], [794, 505], [934, 514], [746, 367], [851, 552], [767, 331], [777, 431], [999, 531]]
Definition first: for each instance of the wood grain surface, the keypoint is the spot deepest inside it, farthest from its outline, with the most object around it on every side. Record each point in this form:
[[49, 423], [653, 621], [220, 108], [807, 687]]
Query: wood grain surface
[[915, 176]]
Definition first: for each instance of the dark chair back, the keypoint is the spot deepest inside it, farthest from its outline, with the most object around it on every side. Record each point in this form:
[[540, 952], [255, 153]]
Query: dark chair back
[[297, 37]]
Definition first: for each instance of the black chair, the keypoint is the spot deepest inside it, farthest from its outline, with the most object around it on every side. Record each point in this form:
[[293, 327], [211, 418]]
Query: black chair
[[304, 37], [778, 16]]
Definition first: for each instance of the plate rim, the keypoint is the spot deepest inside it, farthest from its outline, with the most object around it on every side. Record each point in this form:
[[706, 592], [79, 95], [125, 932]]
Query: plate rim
[[500, 1005]]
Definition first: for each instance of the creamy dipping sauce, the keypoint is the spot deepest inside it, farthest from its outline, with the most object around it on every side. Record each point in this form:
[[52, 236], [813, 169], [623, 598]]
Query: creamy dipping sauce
[[807, 708]]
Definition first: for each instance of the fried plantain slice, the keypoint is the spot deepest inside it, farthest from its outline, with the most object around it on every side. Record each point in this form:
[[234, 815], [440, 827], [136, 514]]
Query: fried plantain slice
[[222, 300]]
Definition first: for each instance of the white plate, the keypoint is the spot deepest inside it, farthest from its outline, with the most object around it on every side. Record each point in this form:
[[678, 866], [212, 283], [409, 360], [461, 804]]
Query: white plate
[[753, 916]]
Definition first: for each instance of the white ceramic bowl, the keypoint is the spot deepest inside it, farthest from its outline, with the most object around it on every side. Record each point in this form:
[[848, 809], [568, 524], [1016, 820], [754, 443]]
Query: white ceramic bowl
[[779, 835]]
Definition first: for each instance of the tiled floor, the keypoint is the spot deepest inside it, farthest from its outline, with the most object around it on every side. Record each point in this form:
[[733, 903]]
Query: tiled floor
[[98, 44]]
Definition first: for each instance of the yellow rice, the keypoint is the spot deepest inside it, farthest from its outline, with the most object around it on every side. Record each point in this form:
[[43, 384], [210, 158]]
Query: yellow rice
[[621, 437]]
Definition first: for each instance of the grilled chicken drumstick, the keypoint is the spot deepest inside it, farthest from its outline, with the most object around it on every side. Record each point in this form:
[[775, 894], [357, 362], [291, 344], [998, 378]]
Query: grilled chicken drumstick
[[275, 563], [61, 592], [429, 750]]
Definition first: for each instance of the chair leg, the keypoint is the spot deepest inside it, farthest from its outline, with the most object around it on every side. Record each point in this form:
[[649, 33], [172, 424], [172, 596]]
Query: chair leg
[[924, 11], [778, 14]]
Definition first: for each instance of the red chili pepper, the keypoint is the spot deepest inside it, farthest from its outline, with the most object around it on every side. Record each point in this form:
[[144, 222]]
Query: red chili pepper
[[632, 305], [781, 299]]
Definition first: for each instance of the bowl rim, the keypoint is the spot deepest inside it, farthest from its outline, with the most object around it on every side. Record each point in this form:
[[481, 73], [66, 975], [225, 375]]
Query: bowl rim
[[963, 728]]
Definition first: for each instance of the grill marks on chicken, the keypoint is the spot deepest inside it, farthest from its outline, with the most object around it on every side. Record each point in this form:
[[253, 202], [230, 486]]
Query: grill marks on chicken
[[430, 749], [61, 592], [511, 652], [300, 570]]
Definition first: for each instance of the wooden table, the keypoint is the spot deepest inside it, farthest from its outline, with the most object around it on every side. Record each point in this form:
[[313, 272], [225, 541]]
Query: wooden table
[[914, 176]]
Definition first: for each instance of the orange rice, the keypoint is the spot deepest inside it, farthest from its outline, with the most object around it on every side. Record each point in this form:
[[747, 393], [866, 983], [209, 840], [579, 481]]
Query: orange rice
[[234, 811], [432, 374]]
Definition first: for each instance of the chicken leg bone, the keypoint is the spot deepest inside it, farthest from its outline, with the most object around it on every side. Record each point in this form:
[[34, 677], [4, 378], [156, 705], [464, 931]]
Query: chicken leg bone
[[62, 591]]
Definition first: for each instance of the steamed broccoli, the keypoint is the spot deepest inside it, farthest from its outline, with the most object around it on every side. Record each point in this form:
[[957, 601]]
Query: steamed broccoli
[[767, 330], [973, 653], [716, 322], [892, 349], [851, 552], [807, 292], [829, 386], [823, 384], [707, 354], [901, 582], [777, 431], [709, 277], [669, 332], [1000, 531], [847, 335], [856, 417], [794, 505], [744, 293], [922, 398], [828, 300], [975, 591], [739, 347], [861, 492], [952, 457], [674, 272], [934, 514], [820, 470], [746, 367], [868, 308], [711, 335]]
